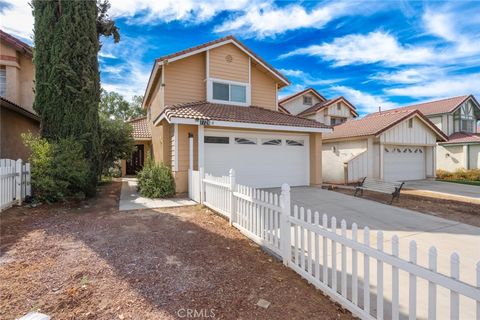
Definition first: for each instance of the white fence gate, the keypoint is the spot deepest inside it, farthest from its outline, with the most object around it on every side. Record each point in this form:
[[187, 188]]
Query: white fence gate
[[338, 263], [14, 182]]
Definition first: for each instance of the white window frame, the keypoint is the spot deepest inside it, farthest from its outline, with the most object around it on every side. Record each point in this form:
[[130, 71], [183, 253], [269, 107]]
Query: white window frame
[[229, 82], [4, 85], [307, 103]]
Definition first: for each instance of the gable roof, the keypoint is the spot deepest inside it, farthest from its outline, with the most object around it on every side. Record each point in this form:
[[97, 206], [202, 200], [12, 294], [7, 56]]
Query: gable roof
[[202, 110], [322, 105], [440, 106], [300, 93], [16, 43], [140, 128], [210, 45], [377, 123]]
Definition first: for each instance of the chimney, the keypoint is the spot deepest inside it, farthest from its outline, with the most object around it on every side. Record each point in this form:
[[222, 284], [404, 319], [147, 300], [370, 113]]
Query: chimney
[[379, 109]]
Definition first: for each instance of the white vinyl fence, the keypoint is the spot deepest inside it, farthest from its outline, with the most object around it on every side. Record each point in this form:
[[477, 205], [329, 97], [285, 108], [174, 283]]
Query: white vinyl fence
[[14, 182], [332, 257]]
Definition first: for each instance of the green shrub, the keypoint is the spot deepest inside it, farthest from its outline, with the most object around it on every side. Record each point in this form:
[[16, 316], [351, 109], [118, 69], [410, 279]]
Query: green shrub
[[59, 169], [460, 174], [156, 181]]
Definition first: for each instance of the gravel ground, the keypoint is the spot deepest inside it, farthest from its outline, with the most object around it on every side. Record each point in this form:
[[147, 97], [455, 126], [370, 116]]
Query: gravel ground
[[429, 203], [89, 261]]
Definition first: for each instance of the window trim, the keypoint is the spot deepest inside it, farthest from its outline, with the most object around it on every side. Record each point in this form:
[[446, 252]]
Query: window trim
[[4, 71], [311, 100], [229, 82]]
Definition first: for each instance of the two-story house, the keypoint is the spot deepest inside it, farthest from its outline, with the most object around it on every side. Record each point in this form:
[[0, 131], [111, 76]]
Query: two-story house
[[17, 116], [458, 118], [215, 107], [312, 105]]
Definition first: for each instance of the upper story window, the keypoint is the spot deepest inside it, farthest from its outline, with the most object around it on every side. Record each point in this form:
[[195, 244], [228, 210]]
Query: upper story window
[[3, 82], [339, 106], [467, 118], [410, 123], [229, 92], [307, 100], [335, 121]]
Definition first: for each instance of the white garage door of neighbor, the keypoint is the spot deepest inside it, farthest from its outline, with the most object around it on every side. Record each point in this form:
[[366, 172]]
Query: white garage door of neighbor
[[260, 160], [403, 163]]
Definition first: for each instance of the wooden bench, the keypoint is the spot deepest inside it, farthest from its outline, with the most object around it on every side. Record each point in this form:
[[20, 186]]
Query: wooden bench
[[379, 186]]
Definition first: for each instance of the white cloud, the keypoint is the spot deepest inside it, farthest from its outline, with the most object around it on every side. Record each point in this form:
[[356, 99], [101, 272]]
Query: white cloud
[[154, 12], [267, 19], [442, 87], [16, 18], [410, 75], [307, 79], [374, 47], [365, 103], [440, 24]]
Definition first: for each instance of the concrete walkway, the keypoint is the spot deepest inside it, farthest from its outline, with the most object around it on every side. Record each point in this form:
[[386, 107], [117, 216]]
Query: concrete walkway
[[131, 200], [449, 188], [447, 236]]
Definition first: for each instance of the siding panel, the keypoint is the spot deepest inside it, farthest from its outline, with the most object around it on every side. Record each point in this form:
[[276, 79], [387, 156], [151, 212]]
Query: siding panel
[[420, 134], [264, 93], [235, 70]]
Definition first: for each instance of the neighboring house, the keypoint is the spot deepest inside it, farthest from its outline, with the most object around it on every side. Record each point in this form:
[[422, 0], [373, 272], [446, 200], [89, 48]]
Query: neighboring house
[[394, 145], [17, 116], [143, 139], [224, 96], [312, 105], [457, 117]]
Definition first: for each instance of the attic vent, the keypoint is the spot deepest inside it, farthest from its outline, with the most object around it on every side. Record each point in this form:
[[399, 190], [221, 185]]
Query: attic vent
[[228, 58]]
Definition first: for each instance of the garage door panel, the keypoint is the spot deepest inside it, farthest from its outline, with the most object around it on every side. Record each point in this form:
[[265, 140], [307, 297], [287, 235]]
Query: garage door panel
[[404, 163], [259, 165]]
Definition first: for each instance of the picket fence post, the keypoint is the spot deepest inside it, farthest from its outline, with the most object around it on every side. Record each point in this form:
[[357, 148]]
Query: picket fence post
[[232, 208], [28, 176], [285, 232], [18, 181], [202, 185]]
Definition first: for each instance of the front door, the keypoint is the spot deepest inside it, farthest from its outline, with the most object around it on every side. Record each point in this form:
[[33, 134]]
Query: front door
[[136, 163]]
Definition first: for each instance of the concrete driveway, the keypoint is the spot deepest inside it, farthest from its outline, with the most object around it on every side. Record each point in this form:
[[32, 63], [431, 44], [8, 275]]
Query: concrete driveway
[[456, 189], [447, 236]]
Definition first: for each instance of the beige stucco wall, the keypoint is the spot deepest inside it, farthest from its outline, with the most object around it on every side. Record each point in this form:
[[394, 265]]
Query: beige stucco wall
[[333, 160], [234, 70], [185, 80], [474, 156], [316, 177], [12, 125], [264, 90], [450, 158], [183, 143]]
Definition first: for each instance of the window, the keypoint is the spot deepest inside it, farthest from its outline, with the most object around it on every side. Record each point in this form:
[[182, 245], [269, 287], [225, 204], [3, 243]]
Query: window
[[335, 121], [298, 143], [245, 141], [307, 100], [229, 92], [272, 142], [3, 82], [410, 123], [339, 106], [219, 140]]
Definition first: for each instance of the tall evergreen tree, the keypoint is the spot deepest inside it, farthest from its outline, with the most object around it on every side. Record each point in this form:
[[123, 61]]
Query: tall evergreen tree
[[67, 80]]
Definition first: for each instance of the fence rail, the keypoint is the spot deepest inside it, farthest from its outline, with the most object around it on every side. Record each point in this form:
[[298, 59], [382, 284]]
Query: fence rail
[[331, 256], [14, 182]]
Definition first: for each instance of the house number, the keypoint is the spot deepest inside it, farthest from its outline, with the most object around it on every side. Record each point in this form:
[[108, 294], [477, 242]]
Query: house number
[[204, 122]]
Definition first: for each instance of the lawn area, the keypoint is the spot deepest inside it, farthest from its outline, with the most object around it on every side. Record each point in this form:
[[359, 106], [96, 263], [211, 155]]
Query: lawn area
[[470, 182], [90, 261]]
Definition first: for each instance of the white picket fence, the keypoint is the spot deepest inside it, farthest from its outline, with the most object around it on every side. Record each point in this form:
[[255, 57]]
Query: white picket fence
[[14, 182], [336, 262]]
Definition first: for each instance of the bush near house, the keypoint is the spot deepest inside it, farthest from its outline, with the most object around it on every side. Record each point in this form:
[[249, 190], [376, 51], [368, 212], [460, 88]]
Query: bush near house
[[155, 180], [459, 175], [59, 169]]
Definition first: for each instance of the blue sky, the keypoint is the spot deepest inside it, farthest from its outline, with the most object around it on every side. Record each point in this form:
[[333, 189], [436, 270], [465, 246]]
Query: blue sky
[[375, 53]]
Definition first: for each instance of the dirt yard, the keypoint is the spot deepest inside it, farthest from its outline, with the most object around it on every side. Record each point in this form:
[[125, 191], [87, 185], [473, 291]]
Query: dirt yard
[[89, 261], [437, 205]]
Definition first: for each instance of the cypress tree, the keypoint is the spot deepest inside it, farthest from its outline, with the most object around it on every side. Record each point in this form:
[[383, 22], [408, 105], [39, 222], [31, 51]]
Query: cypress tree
[[67, 80]]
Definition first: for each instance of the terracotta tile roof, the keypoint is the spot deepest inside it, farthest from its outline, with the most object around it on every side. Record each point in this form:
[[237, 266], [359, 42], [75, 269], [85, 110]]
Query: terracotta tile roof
[[210, 43], [374, 124], [463, 137], [18, 44], [232, 113], [439, 106], [12, 105], [290, 97], [322, 105], [140, 128]]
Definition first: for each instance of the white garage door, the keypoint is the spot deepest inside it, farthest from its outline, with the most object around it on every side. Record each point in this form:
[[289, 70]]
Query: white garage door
[[260, 160], [403, 163]]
